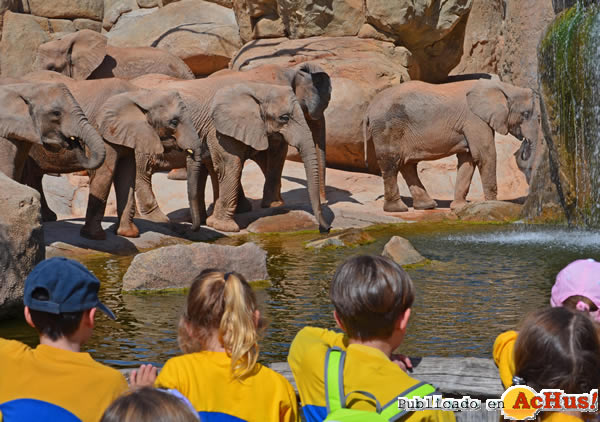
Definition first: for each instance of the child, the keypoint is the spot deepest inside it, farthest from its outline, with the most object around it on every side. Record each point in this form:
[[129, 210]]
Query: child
[[372, 297], [558, 349], [149, 405], [219, 372], [56, 381], [577, 287]]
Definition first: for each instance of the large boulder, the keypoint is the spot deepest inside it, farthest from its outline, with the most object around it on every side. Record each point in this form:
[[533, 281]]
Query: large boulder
[[359, 69], [21, 36], [205, 35], [490, 211], [308, 18], [402, 252], [175, 267], [68, 9], [21, 241]]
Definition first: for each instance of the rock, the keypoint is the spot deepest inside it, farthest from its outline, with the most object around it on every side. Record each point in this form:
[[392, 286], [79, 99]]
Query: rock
[[401, 251], [69, 9], [308, 18], [347, 238], [87, 24], [436, 43], [148, 270], [5, 5], [244, 20], [113, 9], [149, 3], [130, 17], [21, 242], [289, 222], [490, 211], [205, 35], [359, 69], [483, 38]]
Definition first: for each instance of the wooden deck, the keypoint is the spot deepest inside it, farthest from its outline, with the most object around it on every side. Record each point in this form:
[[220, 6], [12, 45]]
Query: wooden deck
[[454, 377]]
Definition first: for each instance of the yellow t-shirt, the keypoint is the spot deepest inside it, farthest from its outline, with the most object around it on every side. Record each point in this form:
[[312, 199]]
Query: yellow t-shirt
[[366, 368], [503, 356], [58, 380], [205, 379]]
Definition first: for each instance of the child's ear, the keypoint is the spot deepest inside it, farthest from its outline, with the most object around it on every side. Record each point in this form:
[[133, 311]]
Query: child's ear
[[28, 317], [402, 321], [256, 318], [338, 321], [88, 317]]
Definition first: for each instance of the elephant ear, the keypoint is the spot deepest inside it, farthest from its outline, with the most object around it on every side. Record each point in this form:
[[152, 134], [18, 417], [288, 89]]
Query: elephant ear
[[16, 119], [237, 113], [87, 53], [123, 121], [314, 98], [488, 101]]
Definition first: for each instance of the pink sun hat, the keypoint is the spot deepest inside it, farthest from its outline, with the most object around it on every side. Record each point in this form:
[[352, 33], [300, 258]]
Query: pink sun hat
[[581, 277]]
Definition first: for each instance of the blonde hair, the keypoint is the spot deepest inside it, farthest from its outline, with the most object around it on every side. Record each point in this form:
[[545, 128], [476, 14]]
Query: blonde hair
[[148, 405], [223, 303]]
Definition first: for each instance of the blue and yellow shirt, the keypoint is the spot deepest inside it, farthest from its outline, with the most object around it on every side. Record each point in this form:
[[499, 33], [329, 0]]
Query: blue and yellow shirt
[[59, 384], [366, 368], [205, 378]]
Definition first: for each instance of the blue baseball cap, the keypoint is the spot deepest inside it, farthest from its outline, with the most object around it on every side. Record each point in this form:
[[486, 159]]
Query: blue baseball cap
[[70, 286]]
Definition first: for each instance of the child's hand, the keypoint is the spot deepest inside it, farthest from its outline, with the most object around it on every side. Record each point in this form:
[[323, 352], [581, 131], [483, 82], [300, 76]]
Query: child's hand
[[402, 361], [144, 377]]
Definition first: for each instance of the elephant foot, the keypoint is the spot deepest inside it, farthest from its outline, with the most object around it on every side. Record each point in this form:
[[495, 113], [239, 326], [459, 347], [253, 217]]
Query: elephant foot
[[92, 233], [425, 205], [224, 225], [177, 174], [457, 204], [243, 205], [395, 206], [48, 215], [272, 203], [156, 215], [130, 231]]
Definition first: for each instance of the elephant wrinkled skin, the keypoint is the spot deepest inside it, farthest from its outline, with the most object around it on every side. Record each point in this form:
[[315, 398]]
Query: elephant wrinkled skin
[[416, 121]]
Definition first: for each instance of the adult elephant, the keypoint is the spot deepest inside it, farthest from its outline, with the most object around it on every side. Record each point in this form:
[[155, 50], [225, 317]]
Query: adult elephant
[[312, 88], [417, 121], [48, 117], [86, 54], [241, 121], [131, 121]]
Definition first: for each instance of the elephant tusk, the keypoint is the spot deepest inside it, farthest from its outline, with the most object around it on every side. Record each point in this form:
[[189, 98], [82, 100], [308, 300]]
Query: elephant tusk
[[72, 138], [189, 151]]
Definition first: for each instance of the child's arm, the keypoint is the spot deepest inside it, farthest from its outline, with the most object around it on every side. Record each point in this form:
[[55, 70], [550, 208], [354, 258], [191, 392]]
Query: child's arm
[[503, 356]]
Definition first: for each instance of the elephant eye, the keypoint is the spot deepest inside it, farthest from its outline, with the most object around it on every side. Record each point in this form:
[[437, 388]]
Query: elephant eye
[[174, 122], [284, 118], [526, 115], [56, 113]]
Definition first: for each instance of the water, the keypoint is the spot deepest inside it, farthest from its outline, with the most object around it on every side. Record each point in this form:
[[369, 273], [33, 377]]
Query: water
[[482, 281]]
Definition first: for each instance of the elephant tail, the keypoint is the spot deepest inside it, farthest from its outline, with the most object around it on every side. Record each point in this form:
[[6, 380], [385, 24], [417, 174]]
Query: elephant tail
[[366, 137]]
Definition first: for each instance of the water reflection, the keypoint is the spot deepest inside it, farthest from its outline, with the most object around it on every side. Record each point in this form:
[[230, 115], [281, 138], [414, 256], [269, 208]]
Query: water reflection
[[483, 280]]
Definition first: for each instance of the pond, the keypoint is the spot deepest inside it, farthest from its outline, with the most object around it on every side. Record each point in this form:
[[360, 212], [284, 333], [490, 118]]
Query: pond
[[482, 280]]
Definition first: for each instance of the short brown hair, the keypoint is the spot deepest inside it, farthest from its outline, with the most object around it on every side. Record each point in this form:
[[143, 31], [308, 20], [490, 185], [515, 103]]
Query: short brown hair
[[559, 349], [149, 405], [369, 293]]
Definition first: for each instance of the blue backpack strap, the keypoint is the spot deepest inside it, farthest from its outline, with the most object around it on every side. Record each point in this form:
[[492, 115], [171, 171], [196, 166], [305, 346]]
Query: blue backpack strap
[[391, 411], [334, 379]]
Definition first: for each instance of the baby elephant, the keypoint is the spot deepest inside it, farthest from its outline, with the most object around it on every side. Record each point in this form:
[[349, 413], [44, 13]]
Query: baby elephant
[[417, 121]]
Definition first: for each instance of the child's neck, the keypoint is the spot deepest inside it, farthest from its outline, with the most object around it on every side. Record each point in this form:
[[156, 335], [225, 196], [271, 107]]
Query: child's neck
[[378, 344], [63, 343], [214, 345]]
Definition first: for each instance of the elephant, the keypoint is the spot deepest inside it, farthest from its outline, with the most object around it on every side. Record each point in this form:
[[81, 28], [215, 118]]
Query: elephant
[[44, 116], [131, 121], [312, 88], [417, 121], [86, 54], [240, 121]]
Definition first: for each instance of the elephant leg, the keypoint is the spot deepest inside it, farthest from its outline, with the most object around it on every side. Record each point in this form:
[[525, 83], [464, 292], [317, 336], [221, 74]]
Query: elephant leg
[[318, 129], [230, 173], [480, 138], [421, 199], [100, 182], [464, 175], [32, 176], [391, 193], [271, 163], [124, 180], [243, 204], [146, 200]]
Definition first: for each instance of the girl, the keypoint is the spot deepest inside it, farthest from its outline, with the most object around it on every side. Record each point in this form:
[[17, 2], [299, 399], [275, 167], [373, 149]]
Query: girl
[[577, 287], [219, 372], [558, 349]]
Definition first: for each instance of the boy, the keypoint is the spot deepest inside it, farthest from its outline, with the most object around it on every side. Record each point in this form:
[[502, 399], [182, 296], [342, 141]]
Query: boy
[[372, 297], [56, 381]]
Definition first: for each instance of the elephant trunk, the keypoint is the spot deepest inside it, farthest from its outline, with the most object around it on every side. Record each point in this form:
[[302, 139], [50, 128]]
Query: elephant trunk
[[197, 207], [301, 138]]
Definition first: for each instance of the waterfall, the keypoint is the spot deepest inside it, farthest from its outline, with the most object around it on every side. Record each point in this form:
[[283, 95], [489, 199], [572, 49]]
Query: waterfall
[[569, 72]]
